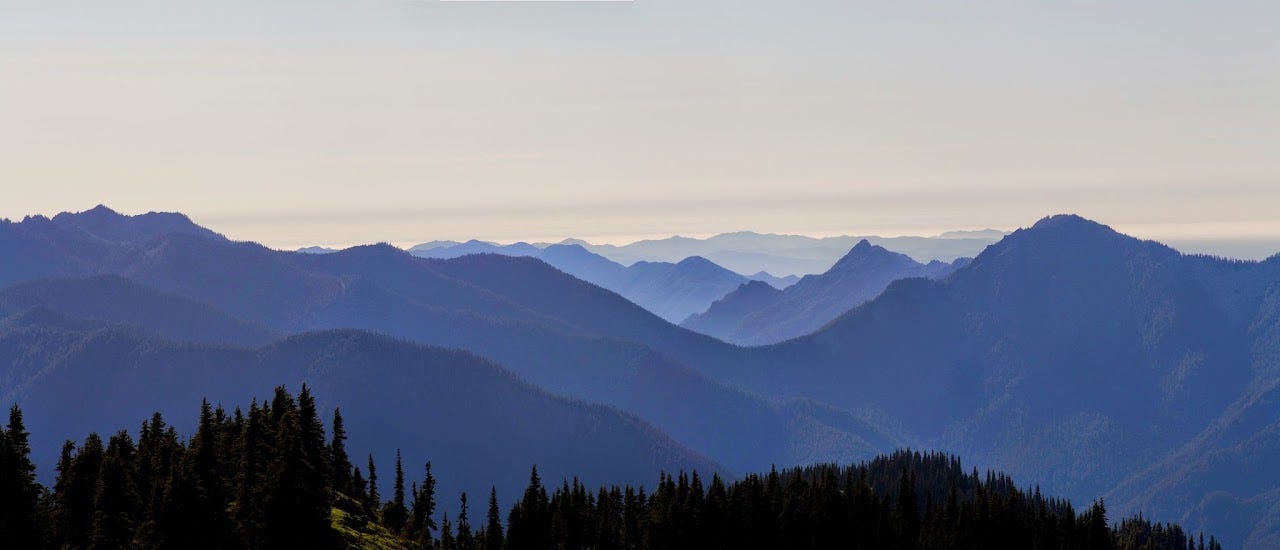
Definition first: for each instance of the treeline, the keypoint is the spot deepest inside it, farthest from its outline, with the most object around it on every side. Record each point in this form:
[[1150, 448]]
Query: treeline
[[269, 478]]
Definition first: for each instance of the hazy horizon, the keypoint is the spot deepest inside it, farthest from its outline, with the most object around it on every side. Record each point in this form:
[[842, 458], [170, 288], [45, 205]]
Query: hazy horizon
[[334, 122], [1247, 249]]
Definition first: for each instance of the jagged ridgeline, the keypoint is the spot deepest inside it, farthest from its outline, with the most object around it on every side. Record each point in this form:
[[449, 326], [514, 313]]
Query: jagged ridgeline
[[270, 477]]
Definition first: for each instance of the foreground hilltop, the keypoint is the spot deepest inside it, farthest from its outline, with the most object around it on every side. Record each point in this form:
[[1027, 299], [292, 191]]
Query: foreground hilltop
[[268, 476]]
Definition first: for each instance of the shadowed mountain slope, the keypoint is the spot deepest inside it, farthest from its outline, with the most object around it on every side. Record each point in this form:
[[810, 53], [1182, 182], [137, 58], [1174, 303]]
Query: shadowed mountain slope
[[117, 300], [1067, 352], [449, 407], [753, 316]]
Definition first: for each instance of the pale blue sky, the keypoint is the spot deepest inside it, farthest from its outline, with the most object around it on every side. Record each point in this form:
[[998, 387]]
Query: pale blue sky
[[341, 122]]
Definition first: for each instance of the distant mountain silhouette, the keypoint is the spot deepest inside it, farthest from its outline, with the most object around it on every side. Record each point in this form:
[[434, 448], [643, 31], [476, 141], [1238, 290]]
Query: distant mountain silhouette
[[427, 250], [432, 245], [468, 416], [1080, 357], [754, 316], [749, 252], [673, 291], [317, 250], [774, 281]]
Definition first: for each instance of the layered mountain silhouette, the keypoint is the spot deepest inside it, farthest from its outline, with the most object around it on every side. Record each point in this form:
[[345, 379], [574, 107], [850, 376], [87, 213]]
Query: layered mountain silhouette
[[554, 330], [1075, 355], [448, 249], [468, 416], [748, 252], [754, 315], [1067, 354], [673, 291]]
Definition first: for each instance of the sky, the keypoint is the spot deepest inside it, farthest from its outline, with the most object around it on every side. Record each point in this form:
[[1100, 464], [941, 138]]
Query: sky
[[329, 122]]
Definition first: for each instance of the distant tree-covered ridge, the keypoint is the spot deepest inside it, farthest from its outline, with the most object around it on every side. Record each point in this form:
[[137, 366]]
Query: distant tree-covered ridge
[[270, 477]]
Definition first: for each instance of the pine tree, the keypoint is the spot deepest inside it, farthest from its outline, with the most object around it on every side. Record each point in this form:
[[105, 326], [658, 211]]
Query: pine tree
[[1098, 531], [339, 463], [116, 504], [315, 453], [906, 512], [205, 524], [446, 534], [465, 541], [360, 487], [424, 509], [529, 523], [493, 530], [75, 490], [297, 503], [249, 485], [20, 520], [373, 502], [158, 454], [395, 515]]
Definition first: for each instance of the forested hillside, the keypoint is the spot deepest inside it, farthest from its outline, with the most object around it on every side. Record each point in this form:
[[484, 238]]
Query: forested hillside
[[272, 476]]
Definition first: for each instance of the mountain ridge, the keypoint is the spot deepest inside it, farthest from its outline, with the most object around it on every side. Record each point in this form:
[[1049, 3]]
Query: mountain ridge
[[753, 317]]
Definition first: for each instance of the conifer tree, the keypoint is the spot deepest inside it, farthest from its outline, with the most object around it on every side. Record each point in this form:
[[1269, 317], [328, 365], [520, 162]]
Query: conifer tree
[[201, 504], [373, 502], [493, 529], [116, 503], [76, 487], [315, 453], [906, 512], [297, 505], [20, 520], [446, 534], [424, 509], [340, 464], [158, 454], [1098, 531], [465, 541], [249, 485], [360, 487], [394, 515], [529, 523]]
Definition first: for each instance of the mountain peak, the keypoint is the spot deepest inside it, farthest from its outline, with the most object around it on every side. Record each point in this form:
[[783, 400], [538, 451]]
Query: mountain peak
[[1068, 222], [568, 247], [100, 210], [698, 262], [107, 224], [864, 251]]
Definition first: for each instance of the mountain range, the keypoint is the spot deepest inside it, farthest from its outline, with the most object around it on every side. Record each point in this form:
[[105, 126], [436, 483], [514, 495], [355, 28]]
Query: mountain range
[[740, 252], [673, 291], [755, 314], [1067, 354], [748, 252], [1086, 359], [563, 334]]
